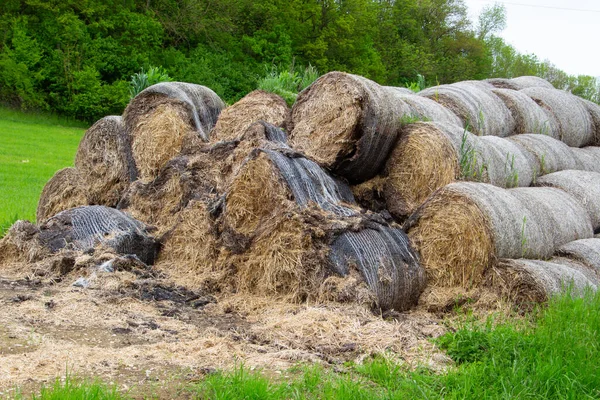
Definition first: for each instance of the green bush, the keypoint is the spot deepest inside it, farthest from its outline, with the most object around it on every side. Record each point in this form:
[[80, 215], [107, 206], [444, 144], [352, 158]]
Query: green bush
[[288, 82], [144, 79]]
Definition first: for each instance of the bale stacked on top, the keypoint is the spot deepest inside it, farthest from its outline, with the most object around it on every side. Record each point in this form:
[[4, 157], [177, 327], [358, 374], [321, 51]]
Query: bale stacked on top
[[574, 121], [425, 109], [63, 191], [161, 118], [104, 161], [430, 155], [347, 123], [594, 111], [529, 116], [255, 106], [587, 158], [520, 82], [552, 155], [464, 227], [292, 225], [582, 185], [481, 111]]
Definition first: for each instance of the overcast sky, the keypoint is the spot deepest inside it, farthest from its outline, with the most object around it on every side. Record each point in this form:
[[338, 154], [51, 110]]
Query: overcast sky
[[566, 32]]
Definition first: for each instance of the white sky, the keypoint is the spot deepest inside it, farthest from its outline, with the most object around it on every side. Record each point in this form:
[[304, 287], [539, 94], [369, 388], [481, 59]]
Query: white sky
[[553, 30]]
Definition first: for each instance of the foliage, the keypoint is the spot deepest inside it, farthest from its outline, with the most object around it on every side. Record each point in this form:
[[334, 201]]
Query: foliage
[[288, 82], [144, 79]]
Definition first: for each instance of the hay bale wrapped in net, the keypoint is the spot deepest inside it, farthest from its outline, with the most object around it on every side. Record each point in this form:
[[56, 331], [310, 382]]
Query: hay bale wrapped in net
[[431, 155], [83, 228], [587, 158], [293, 225], [586, 251], [481, 111], [574, 121], [529, 116], [347, 124], [65, 190], [162, 118], [529, 282], [464, 227], [520, 82], [594, 111], [551, 154], [582, 185], [104, 161], [255, 106], [425, 109]]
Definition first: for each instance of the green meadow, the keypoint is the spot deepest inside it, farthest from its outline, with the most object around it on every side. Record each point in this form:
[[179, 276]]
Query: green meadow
[[32, 148]]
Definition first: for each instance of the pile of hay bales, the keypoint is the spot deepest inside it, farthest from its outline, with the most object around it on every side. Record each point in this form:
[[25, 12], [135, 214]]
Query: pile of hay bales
[[255, 197]]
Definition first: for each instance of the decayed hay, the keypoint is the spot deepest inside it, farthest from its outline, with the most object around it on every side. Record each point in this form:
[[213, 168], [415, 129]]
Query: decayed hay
[[587, 158], [465, 226], [529, 116], [289, 224], [430, 155], [83, 228], [574, 121], [369, 194], [255, 106], [586, 251], [520, 82], [481, 111], [582, 185], [347, 124], [426, 109], [104, 161], [21, 244], [552, 155], [529, 282], [165, 117], [65, 190]]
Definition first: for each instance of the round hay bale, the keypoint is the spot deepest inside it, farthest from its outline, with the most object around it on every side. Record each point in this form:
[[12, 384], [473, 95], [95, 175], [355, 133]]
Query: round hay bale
[[347, 124], [594, 110], [282, 214], [529, 282], [587, 158], [574, 121], [426, 109], [255, 106], [431, 155], [464, 227], [582, 185], [65, 190], [481, 111], [103, 160], [161, 118], [83, 228], [529, 116], [586, 251], [552, 155], [522, 82]]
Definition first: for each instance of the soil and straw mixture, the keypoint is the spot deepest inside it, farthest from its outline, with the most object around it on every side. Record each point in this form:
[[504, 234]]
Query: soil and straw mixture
[[137, 329]]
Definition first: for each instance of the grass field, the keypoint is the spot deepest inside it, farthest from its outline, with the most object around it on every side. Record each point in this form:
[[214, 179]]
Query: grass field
[[33, 148]]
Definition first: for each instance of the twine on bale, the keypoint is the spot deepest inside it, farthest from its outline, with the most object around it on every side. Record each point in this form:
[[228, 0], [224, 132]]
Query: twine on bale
[[255, 106]]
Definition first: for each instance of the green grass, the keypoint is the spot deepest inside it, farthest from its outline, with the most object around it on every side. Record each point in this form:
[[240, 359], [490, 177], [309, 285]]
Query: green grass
[[34, 147], [552, 354]]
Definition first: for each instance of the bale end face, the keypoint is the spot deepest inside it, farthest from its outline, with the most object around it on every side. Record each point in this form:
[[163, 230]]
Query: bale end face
[[453, 237]]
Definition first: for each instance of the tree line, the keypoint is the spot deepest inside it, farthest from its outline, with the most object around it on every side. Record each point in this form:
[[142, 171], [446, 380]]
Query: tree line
[[76, 57]]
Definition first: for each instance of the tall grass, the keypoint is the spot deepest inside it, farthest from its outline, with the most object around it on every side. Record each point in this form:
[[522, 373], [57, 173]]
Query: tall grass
[[288, 82]]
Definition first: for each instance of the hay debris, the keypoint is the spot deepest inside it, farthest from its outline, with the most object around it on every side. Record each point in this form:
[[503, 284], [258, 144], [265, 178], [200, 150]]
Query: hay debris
[[347, 124], [65, 190], [481, 111], [574, 121], [465, 226], [104, 161], [255, 106]]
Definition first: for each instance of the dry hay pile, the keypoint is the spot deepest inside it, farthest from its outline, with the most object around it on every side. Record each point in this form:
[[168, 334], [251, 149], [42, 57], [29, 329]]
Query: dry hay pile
[[255, 106], [431, 155], [425, 109], [481, 111], [465, 227], [529, 116], [520, 82], [104, 161], [347, 123], [582, 185], [293, 230], [573, 119], [65, 190], [166, 117]]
